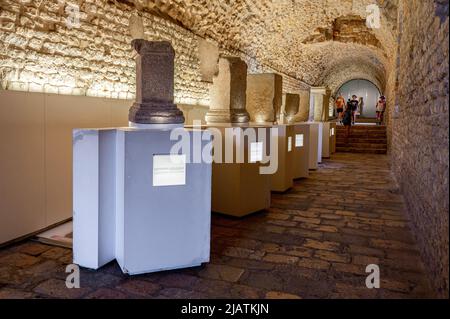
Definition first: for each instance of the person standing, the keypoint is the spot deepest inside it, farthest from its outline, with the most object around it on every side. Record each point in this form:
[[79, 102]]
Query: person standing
[[381, 108], [361, 106], [354, 107], [348, 118], [340, 105]]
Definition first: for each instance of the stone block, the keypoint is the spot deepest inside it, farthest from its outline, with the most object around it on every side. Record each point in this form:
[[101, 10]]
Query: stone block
[[154, 84], [227, 94], [264, 97], [208, 53], [290, 108]]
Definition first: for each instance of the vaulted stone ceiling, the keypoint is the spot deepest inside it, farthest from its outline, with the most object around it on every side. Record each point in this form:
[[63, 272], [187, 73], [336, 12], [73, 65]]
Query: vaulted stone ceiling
[[321, 42]]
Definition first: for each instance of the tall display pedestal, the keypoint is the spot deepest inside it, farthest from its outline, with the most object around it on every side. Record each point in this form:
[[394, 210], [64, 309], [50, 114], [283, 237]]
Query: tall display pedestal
[[94, 197], [315, 145], [239, 189], [301, 150], [320, 143], [283, 179], [137, 202], [328, 139]]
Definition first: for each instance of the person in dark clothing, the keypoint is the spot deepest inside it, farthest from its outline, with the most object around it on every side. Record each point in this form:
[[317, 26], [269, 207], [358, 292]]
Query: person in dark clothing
[[354, 103], [348, 117]]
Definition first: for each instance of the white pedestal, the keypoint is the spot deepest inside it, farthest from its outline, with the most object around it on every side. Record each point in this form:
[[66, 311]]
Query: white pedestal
[[283, 179], [320, 141], [161, 210], [94, 197], [302, 150], [328, 139]]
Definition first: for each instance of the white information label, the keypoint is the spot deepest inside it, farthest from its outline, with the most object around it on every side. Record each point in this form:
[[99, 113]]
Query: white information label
[[169, 170], [299, 140], [289, 143], [332, 132], [256, 152]]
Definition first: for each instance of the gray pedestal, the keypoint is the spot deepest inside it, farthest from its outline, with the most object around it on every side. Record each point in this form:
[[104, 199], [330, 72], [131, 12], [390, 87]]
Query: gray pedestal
[[161, 209]]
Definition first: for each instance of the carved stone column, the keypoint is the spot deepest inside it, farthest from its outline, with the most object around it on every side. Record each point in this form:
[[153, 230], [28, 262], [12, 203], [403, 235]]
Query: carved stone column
[[154, 84], [228, 97]]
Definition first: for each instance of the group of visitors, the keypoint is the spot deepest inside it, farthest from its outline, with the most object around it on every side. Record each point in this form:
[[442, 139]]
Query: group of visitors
[[347, 112]]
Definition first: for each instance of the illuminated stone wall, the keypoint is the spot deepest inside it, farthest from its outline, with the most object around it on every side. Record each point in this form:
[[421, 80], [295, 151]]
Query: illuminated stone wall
[[41, 52], [419, 126]]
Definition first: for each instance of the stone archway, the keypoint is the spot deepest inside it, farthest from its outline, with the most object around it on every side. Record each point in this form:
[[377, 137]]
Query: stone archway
[[365, 89]]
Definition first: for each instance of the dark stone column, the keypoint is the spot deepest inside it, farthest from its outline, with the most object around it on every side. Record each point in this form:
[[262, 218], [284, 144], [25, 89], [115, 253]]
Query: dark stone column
[[154, 84]]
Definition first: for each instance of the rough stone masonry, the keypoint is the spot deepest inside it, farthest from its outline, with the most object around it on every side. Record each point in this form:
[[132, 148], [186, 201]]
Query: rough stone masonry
[[309, 42]]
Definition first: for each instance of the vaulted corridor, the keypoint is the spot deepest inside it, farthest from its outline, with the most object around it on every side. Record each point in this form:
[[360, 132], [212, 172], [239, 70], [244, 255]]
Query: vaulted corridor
[[315, 242], [337, 163]]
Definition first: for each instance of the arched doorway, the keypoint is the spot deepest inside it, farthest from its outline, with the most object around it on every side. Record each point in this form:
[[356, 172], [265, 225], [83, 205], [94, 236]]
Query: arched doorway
[[365, 89]]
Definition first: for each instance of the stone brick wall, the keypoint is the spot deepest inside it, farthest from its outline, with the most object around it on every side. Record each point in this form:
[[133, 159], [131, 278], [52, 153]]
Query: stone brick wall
[[41, 53], [419, 126]]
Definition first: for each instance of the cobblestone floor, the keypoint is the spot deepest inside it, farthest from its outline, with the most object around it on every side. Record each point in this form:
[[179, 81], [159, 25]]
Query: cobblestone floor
[[315, 242]]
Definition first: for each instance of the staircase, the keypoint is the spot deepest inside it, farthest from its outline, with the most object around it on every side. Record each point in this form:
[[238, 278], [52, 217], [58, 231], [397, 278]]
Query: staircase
[[363, 139]]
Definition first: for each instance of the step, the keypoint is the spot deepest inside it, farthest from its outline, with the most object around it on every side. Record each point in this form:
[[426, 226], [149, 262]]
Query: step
[[362, 137], [343, 140], [362, 132], [362, 127], [360, 150], [362, 146]]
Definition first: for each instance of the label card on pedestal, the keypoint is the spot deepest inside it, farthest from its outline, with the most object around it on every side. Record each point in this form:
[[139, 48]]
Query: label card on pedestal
[[169, 170], [299, 140], [256, 152], [289, 143], [332, 132]]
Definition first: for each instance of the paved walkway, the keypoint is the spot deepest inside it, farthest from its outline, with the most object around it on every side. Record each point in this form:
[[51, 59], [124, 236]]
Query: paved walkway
[[315, 242]]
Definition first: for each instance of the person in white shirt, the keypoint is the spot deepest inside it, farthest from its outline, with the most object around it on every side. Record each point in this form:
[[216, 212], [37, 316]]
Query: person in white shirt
[[381, 108]]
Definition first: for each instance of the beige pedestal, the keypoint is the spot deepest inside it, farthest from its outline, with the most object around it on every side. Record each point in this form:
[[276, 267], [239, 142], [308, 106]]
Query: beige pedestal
[[238, 189], [282, 180], [301, 150], [328, 139], [314, 144]]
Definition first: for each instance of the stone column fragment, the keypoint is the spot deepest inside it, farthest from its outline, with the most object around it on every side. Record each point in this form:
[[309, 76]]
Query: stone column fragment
[[320, 104], [228, 97], [154, 84], [264, 97], [291, 104], [303, 113]]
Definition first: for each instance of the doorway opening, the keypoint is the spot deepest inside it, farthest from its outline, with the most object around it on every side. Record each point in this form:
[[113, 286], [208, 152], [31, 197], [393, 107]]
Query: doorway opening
[[364, 89]]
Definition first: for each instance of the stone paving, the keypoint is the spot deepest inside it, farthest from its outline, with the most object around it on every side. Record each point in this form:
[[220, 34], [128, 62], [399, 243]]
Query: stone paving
[[315, 242]]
